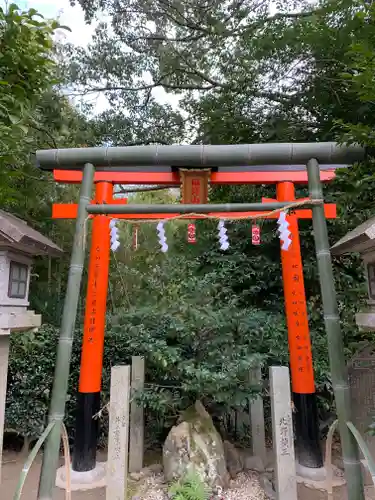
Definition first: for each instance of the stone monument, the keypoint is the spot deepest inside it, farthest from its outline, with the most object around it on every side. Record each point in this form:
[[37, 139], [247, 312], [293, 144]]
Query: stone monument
[[362, 388]]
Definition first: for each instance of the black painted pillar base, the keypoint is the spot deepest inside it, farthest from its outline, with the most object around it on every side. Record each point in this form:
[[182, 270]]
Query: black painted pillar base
[[86, 431], [308, 449]]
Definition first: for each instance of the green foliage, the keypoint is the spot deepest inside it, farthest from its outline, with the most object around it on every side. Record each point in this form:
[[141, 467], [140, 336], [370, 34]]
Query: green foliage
[[197, 344], [31, 370], [194, 353], [358, 77], [30, 377], [243, 75], [34, 115], [27, 70], [191, 487], [210, 313]]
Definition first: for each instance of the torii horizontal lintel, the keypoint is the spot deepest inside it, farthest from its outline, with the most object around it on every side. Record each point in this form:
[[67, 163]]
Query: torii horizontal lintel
[[173, 178], [69, 211]]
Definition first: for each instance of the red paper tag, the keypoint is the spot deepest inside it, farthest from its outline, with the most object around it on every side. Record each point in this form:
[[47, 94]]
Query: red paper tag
[[191, 233], [135, 238], [255, 235]]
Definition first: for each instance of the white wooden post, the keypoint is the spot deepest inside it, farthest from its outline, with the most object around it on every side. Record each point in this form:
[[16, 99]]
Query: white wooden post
[[118, 437], [282, 431], [258, 435], [136, 443]]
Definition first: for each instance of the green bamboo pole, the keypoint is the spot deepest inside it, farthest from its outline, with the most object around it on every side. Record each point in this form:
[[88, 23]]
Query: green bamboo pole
[[64, 348], [188, 209], [30, 460], [339, 374]]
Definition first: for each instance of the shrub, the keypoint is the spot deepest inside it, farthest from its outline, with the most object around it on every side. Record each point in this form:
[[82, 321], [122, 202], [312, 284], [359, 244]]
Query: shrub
[[198, 353], [30, 377], [192, 352], [191, 487]]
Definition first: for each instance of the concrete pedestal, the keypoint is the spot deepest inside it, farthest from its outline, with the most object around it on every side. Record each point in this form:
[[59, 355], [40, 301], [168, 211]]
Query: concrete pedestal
[[11, 321], [314, 474], [308, 488], [367, 478], [81, 481]]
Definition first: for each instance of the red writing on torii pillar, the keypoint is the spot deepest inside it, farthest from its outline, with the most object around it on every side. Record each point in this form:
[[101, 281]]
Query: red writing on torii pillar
[[301, 364]]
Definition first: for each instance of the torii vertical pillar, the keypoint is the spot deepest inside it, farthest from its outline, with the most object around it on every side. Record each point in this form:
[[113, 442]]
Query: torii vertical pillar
[[88, 399], [308, 449]]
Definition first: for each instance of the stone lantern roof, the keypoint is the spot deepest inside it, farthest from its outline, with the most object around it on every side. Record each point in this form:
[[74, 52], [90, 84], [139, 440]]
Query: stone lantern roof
[[16, 234], [361, 239]]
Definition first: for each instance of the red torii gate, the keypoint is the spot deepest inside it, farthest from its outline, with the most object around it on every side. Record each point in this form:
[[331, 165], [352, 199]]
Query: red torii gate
[[303, 386]]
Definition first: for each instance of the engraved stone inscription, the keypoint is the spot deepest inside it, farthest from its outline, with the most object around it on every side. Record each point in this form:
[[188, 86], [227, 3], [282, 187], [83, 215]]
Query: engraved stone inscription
[[362, 388], [285, 435]]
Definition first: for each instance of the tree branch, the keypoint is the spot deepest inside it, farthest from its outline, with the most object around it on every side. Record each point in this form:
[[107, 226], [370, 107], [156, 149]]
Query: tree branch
[[110, 88], [163, 38], [144, 143], [272, 96], [45, 131], [196, 72], [236, 5], [187, 24]]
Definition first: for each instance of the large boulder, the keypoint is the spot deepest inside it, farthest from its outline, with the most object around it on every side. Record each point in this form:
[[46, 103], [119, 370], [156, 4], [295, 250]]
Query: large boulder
[[195, 445]]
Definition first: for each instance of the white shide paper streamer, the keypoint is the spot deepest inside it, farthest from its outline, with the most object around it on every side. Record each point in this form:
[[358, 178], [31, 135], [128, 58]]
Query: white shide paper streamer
[[115, 241], [223, 238], [162, 238], [284, 232]]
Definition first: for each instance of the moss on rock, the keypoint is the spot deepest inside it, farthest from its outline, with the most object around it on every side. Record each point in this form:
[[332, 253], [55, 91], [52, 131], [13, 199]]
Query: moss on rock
[[195, 445]]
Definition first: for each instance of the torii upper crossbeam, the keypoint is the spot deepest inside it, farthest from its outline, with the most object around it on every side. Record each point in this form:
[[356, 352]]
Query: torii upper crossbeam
[[199, 156]]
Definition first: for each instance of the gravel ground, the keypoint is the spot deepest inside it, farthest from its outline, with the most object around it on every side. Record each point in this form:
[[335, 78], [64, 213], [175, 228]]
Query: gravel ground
[[245, 487], [154, 489]]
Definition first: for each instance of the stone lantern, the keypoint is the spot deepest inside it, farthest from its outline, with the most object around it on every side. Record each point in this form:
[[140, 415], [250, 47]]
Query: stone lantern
[[361, 368], [19, 244], [362, 240]]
